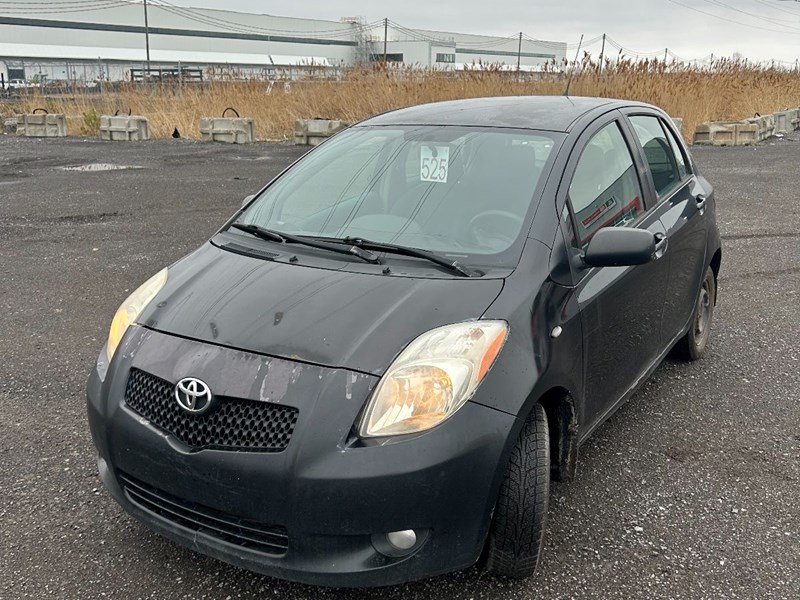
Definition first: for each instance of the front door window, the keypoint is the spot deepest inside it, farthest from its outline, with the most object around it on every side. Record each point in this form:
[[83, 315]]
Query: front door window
[[605, 190]]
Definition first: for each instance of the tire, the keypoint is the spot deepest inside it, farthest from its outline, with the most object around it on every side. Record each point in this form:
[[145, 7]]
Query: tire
[[516, 536], [694, 344]]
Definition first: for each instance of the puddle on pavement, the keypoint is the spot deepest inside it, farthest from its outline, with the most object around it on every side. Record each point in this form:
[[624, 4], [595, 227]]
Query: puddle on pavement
[[100, 167]]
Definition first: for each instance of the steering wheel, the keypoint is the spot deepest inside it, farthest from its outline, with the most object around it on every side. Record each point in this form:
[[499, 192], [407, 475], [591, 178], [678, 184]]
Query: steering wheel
[[495, 237]]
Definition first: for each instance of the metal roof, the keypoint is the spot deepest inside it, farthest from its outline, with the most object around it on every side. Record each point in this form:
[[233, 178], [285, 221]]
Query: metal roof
[[551, 113]]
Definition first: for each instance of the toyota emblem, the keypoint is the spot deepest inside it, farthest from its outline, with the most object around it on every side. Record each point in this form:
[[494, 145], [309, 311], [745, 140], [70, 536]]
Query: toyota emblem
[[193, 396]]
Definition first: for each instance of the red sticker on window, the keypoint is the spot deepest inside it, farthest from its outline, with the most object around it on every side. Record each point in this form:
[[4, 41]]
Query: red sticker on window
[[599, 212]]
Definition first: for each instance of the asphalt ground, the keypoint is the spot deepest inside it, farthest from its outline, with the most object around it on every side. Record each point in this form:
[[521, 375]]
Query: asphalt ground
[[690, 491]]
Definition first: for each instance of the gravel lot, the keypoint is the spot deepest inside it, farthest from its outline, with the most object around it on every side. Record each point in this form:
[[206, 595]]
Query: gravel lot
[[690, 491]]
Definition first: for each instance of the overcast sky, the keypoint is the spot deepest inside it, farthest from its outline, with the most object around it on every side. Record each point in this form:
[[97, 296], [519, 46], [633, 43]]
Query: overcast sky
[[758, 29]]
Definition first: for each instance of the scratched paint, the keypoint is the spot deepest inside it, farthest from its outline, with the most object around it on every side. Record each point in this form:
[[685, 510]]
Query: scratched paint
[[236, 374], [348, 391], [276, 383]]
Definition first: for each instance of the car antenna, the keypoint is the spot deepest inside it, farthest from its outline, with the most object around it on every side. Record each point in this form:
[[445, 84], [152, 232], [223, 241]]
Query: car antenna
[[572, 72]]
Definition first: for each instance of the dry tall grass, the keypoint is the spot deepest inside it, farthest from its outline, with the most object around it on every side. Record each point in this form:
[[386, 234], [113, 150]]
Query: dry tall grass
[[726, 90]]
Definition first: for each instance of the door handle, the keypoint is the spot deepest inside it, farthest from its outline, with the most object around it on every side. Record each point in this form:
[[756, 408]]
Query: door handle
[[701, 202], [662, 241]]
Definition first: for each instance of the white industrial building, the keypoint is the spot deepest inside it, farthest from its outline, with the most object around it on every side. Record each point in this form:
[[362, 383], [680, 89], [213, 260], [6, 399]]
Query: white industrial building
[[450, 50], [87, 40]]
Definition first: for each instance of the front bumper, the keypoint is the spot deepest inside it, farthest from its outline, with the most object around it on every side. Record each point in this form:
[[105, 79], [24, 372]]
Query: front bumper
[[328, 494]]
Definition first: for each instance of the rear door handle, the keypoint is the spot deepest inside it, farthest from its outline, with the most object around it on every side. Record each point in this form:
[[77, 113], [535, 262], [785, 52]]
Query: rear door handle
[[701, 202]]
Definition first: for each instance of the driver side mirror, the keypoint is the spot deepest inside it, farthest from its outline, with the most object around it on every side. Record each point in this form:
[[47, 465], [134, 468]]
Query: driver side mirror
[[620, 247], [247, 200]]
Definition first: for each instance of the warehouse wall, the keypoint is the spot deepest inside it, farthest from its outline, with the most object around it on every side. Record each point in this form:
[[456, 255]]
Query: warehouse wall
[[108, 42], [199, 36], [469, 48]]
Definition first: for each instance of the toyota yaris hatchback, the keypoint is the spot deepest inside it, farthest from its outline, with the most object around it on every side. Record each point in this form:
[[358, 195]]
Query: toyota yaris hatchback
[[373, 371]]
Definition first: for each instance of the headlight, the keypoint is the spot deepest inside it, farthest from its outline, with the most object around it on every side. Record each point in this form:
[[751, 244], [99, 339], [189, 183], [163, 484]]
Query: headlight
[[432, 378], [132, 308]]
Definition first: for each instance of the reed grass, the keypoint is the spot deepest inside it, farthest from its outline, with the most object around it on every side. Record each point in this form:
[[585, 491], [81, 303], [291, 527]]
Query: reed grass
[[728, 89]]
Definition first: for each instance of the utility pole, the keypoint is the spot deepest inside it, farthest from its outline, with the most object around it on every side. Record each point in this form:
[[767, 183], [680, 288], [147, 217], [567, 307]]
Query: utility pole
[[519, 54], [385, 36], [602, 52], [146, 38], [666, 52]]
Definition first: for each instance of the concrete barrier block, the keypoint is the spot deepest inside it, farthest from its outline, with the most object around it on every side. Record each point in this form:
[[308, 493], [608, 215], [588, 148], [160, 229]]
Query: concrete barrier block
[[227, 130], [765, 124], [787, 121], [125, 128], [747, 134], [678, 122], [42, 125], [312, 132], [10, 125], [783, 121], [794, 119], [726, 133]]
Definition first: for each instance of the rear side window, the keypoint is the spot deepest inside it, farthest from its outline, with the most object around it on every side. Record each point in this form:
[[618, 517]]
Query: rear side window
[[658, 152], [683, 170], [605, 190]]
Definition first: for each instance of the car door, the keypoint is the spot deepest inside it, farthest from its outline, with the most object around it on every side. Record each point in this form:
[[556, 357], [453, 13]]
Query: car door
[[620, 307], [680, 207]]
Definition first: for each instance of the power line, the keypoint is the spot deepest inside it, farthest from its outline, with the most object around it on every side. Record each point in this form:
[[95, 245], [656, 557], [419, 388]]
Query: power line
[[716, 16], [196, 13], [199, 17], [492, 44], [59, 3], [36, 7], [424, 35], [569, 46], [613, 43], [772, 6], [418, 35], [744, 12], [65, 8]]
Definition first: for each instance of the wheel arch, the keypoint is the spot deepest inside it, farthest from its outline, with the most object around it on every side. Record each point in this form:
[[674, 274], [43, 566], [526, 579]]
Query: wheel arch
[[716, 264], [562, 421]]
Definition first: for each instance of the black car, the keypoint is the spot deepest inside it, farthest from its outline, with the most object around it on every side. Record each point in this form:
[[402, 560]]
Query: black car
[[373, 371]]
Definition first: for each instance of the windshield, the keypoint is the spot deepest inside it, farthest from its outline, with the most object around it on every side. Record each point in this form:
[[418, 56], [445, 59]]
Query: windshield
[[460, 191]]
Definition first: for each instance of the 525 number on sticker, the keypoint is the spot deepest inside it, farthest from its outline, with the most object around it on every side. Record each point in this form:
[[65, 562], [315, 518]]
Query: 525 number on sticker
[[433, 163]]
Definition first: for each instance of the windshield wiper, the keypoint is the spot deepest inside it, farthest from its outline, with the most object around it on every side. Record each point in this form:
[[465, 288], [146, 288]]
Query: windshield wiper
[[287, 238], [453, 265]]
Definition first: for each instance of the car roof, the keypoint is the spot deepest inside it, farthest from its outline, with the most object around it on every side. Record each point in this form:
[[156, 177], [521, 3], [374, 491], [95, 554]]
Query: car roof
[[549, 113]]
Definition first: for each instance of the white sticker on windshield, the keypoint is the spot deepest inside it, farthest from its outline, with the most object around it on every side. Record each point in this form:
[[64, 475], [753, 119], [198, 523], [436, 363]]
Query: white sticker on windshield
[[433, 163]]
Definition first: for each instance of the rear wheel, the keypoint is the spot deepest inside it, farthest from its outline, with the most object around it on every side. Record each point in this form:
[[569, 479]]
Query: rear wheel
[[517, 531], [693, 345]]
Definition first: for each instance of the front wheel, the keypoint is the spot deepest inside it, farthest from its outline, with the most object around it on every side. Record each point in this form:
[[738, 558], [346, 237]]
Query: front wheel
[[517, 531], [693, 345]]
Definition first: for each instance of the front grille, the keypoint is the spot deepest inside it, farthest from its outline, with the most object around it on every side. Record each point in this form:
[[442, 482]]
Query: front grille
[[234, 424], [271, 539]]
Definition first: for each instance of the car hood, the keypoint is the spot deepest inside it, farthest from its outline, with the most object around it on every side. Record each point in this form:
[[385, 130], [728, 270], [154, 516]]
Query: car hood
[[327, 317]]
